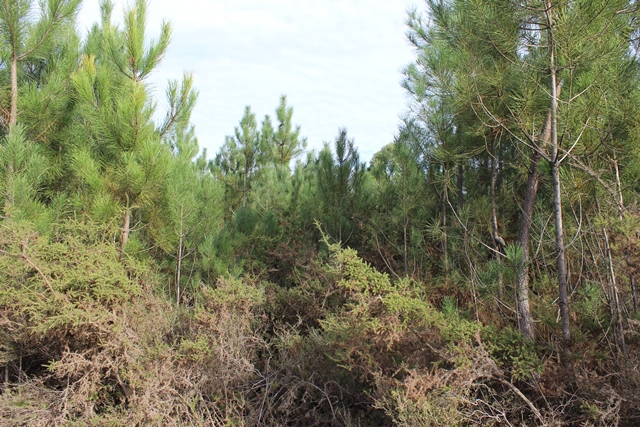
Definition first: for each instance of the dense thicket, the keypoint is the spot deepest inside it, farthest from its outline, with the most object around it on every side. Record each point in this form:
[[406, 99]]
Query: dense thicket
[[481, 269]]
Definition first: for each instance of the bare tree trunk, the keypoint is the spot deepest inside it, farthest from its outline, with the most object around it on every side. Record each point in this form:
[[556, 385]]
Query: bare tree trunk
[[563, 291], [498, 241], [445, 242], [614, 288], [13, 112], [563, 284], [460, 185], [340, 210], [405, 225], [632, 278], [244, 189], [632, 282], [525, 320], [179, 268], [124, 235]]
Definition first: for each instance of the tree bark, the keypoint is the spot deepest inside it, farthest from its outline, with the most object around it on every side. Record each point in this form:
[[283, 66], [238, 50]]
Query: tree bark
[[498, 241], [244, 187], [405, 238], [179, 267], [13, 111], [617, 315], [460, 185], [124, 235], [563, 292], [632, 282], [445, 242], [525, 320]]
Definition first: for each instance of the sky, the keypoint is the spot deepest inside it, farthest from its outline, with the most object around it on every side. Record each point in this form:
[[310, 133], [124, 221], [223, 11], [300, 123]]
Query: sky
[[338, 61]]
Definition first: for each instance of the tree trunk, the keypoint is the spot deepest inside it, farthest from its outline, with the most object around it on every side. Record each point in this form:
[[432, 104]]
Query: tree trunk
[[13, 111], [525, 320], [124, 235], [563, 292], [244, 188], [405, 225], [614, 289], [498, 241], [445, 242], [179, 268], [460, 185], [632, 282]]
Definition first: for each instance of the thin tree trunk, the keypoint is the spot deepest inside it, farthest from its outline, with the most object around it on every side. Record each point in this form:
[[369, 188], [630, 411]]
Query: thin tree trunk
[[445, 242], [405, 237], [179, 269], [525, 320], [632, 282], [244, 189], [13, 112], [632, 279], [460, 185], [563, 291], [498, 241], [614, 289], [124, 235]]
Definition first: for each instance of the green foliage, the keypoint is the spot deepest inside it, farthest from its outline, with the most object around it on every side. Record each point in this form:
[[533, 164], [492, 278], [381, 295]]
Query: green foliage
[[62, 291], [238, 161], [513, 353], [592, 307], [142, 283], [30, 41], [22, 173], [399, 188], [387, 333], [284, 144], [340, 184]]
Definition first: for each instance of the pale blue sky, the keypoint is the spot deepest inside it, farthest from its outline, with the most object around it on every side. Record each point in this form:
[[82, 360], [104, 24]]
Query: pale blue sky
[[338, 62]]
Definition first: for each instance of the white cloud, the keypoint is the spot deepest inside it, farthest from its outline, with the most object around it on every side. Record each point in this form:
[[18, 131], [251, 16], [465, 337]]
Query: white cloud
[[337, 61]]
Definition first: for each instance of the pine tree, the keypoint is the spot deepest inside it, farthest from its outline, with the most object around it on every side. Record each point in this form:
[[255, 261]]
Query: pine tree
[[400, 195], [239, 159], [189, 212], [124, 161], [27, 40], [340, 181], [285, 143]]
